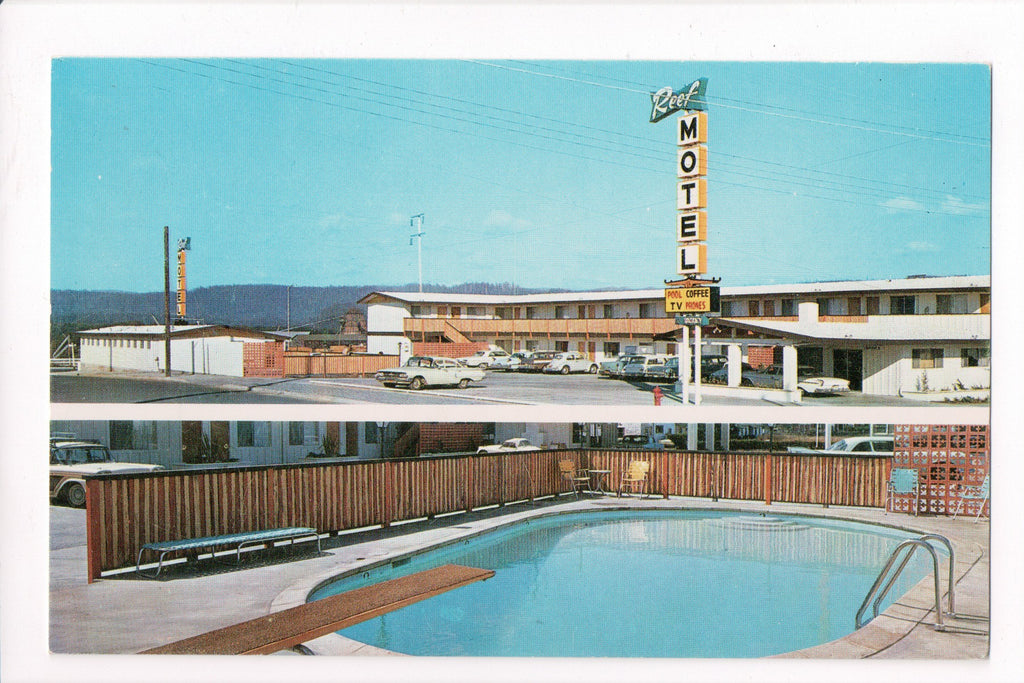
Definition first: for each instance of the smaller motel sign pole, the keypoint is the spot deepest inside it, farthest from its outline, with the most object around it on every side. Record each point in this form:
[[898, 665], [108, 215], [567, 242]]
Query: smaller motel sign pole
[[690, 297]]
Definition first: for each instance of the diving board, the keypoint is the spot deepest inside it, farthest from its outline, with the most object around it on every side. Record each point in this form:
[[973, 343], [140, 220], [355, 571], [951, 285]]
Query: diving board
[[296, 625]]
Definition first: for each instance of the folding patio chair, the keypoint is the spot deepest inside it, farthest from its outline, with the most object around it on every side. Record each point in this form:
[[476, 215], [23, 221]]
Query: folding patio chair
[[578, 478], [975, 493], [635, 477], [901, 482]]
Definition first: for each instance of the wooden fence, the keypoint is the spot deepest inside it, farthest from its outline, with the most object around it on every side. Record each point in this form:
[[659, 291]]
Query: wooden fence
[[126, 511], [327, 364]]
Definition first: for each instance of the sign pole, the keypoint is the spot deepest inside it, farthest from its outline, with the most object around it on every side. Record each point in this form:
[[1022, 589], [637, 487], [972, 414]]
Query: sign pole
[[684, 365], [696, 365]]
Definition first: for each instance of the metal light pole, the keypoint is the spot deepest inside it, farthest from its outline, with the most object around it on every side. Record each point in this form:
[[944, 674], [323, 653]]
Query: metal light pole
[[417, 222], [167, 301]]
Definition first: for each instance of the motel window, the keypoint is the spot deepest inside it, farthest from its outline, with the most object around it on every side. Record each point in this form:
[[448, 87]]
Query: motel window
[[754, 308], [609, 311], [531, 312], [671, 349], [133, 435], [370, 432], [561, 312], [872, 305], [788, 307], [951, 304], [561, 346], [902, 305], [532, 344], [581, 312], [648, 310], [474, 311], [300, 433], [853, 305], [442, 311], [926, 359], [414, 311], [768, 307], [502, 313], [610, 348], [825, 306], [974, 358], [252, 434], [728, 308]]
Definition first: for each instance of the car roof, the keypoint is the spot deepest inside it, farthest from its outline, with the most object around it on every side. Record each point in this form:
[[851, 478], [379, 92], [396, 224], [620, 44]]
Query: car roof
[[76, 444]]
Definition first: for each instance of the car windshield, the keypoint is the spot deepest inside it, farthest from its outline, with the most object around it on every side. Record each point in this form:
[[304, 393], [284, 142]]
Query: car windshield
[[841, 445], [419, 362], [80, 455]]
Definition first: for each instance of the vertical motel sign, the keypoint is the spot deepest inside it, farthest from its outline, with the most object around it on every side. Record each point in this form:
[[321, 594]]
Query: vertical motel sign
[[183, 246], [691, 194]]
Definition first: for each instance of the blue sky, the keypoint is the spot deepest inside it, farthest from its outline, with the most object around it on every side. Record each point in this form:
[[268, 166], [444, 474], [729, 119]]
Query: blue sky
[[546, 174]]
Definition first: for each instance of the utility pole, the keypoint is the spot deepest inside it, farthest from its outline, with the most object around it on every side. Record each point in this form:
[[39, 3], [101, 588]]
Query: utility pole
[[417, 223], [288, 308], [167, 302]]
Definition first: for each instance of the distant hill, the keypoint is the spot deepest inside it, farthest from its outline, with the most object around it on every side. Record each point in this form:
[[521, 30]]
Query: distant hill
[[259, 306]]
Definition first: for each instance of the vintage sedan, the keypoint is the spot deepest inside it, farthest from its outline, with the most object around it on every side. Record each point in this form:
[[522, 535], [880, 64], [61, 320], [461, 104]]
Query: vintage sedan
[[613, 368], [509, 446], [485, 358], [427, 371], [71, 460], [640, 367], [571, 361], [536, 361], [510, 363], [771, 378]]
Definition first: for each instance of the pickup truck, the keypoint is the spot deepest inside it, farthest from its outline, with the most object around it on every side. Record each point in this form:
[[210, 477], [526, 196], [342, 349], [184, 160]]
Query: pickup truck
[[427, 371], [71, 460]]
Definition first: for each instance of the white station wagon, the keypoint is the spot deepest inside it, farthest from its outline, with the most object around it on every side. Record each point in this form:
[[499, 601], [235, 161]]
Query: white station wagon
[[508, 446], [426, 371], [71, 461]]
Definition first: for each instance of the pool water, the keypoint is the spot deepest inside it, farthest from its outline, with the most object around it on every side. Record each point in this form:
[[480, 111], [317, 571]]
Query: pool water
[[643, 584]]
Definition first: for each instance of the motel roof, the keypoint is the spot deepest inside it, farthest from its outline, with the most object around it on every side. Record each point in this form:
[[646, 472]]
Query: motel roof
[[912, 284], [179, 331]]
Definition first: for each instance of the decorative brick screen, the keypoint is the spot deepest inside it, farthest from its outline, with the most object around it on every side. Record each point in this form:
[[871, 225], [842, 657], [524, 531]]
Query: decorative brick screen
[[450, 437], [946, 457], [760, 356], [263, 359]]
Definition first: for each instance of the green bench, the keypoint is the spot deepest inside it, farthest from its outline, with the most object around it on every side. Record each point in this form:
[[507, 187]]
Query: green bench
[[240, 540]]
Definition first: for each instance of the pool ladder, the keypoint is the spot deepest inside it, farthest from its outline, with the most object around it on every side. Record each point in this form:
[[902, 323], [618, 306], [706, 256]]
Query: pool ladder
[[905, 550]]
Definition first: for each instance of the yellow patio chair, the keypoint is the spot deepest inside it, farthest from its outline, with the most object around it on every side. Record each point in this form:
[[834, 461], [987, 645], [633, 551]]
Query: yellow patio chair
[[578, 478], [635, 477]]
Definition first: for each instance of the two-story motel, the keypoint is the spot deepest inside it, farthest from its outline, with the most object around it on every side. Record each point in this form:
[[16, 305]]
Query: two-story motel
[[886, 336]]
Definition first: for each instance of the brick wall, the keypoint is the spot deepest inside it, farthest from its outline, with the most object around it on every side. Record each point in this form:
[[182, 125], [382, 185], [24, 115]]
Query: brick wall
[[946, 457], [263, 359], [450, 437], [448, 350], [760, 356]]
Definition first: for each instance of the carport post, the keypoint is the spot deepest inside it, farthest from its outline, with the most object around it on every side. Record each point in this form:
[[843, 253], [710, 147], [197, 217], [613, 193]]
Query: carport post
[[696, 364], [684, 365]]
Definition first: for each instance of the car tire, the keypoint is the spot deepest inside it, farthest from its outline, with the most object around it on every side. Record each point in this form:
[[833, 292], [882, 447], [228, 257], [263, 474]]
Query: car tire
[[564, 370], [75, 495], [417, 383], [746, 383], [593, 370], [463, 383]]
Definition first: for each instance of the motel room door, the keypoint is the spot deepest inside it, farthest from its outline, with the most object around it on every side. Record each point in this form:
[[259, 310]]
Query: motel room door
[[849, 364]]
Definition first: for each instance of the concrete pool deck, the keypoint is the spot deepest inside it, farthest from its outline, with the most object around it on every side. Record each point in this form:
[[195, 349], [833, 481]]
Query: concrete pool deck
[[124, 614]]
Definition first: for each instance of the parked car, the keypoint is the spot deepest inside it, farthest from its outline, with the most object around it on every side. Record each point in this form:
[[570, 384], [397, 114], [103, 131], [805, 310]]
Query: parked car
[[427, 371], [640, 366], [664, 372], [536, 362], [484, 358], [571, 361], [877, 445], [711, 363], [70, 461], [613, 368], [808, 382], [509, 446], [509, 363]]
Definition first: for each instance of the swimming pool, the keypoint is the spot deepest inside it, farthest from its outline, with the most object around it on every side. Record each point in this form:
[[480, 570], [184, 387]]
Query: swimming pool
[[642, 584]]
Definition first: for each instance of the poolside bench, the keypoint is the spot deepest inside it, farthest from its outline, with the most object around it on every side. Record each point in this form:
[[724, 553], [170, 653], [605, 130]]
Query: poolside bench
[[240, 540], [296, 625]]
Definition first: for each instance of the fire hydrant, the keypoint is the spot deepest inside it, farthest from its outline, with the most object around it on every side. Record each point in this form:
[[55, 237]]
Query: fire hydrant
[[657, 396]]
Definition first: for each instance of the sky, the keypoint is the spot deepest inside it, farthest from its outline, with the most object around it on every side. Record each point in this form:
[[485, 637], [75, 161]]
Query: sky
[[545, 174]]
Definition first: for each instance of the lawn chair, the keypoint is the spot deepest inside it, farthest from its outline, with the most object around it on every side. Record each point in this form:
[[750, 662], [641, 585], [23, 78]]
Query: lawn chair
[[976, 493], [901, 482], [635, 477], [578, 478]]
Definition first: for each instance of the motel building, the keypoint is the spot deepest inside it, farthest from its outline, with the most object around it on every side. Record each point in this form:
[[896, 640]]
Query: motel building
[[917, 335], [195, 349]]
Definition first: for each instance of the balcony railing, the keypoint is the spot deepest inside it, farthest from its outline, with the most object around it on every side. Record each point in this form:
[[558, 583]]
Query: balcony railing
[[575, 327]]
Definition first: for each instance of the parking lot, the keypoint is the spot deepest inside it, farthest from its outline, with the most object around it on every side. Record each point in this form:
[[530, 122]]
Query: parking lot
[[496, 388]]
